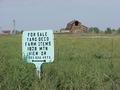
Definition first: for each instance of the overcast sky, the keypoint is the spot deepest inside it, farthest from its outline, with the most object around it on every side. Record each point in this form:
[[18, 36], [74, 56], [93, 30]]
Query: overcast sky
[[55, 14]]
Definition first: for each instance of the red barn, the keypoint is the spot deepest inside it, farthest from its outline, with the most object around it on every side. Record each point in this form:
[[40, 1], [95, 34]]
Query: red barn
[[76, 26]]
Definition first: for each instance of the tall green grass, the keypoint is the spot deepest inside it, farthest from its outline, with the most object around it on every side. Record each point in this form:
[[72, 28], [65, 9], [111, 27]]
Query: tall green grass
[[81, 63]]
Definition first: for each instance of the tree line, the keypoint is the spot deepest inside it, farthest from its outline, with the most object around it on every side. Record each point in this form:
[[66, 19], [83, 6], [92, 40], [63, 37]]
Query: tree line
[[106, 31]]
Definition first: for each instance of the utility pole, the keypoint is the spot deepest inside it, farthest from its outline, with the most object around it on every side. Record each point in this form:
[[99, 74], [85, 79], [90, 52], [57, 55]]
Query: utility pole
[[0, 28], [14, 27]]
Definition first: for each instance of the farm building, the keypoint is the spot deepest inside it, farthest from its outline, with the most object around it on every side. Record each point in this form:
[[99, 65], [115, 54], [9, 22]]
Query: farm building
[[6, 32], [75, 27]]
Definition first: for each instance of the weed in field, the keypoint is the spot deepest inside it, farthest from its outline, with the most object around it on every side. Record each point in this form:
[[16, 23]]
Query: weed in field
[[80, 64]]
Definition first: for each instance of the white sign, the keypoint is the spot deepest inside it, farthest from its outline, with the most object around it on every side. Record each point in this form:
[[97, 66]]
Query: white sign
[[38, 46]]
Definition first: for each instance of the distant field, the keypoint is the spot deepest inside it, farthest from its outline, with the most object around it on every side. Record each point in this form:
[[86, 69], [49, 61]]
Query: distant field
[[81, 63]]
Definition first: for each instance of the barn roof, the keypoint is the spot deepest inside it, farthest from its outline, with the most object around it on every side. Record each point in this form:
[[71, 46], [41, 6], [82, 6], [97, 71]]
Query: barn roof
[[69, 25], [73, 21]]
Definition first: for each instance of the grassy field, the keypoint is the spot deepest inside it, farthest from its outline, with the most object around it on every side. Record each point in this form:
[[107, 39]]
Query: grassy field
[[81, 63]]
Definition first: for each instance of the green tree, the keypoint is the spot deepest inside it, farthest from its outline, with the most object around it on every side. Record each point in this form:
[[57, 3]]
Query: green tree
[[94, 29], [118, 31], [108, 31]]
